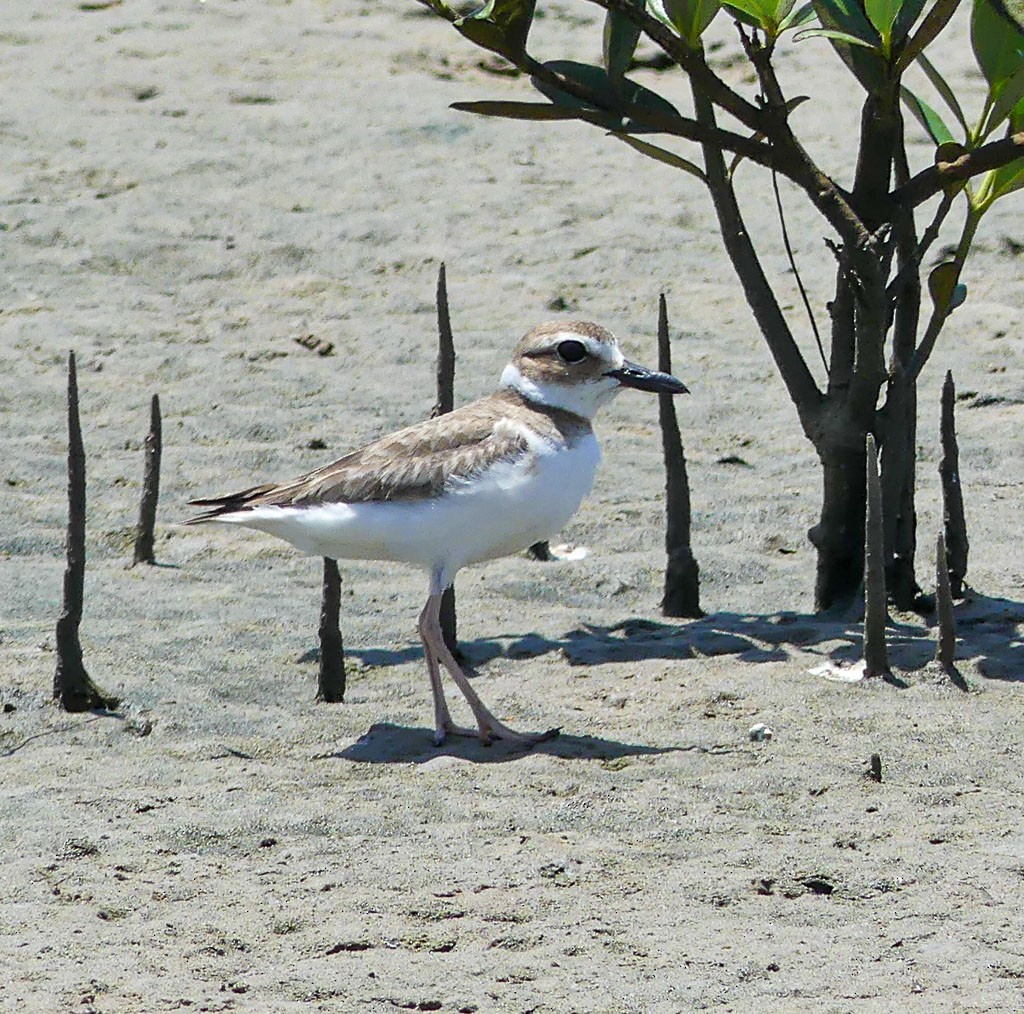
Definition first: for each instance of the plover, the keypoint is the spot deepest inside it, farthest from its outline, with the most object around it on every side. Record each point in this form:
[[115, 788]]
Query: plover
[[484, 481]]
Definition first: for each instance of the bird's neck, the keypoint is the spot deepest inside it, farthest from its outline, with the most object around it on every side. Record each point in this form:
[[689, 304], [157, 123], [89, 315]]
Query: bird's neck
[[581, 400]]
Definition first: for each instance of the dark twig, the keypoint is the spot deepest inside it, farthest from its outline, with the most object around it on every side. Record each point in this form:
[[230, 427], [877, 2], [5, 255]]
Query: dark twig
[[775, 103], [796, 271], [876, 656], [144, 536], [72, 687], [682, 574], [330, 684], [445, 403], [954, 522], [909, 268]]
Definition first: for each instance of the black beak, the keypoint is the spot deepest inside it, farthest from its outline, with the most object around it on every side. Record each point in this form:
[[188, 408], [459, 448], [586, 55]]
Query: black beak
[[643, 379]]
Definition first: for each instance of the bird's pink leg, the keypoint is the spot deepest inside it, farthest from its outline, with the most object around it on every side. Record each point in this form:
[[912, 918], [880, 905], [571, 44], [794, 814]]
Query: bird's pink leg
[[443, 724], [489, 728]]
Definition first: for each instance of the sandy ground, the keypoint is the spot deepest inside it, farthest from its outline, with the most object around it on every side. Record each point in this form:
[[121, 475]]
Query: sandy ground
[[186, 188]]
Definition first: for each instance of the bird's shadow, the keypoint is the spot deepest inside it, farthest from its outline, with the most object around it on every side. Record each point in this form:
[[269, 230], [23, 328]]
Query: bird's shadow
[[385, 743], [987, 633]]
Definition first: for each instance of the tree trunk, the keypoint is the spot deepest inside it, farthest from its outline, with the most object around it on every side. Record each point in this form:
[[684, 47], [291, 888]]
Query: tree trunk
[[839, 534]]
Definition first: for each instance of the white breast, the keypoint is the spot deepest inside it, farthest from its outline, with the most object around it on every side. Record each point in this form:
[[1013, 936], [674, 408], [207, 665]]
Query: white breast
[[502, 510]]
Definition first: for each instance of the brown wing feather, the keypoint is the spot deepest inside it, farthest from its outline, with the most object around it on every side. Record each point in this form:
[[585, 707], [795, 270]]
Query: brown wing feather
[[411, 464]]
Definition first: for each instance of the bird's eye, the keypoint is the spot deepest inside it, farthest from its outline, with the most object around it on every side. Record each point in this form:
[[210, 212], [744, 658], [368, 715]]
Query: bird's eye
[[572, 351]]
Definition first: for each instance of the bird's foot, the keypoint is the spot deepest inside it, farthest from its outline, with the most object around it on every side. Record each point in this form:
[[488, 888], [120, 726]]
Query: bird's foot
[[491, 729], [446, 729]]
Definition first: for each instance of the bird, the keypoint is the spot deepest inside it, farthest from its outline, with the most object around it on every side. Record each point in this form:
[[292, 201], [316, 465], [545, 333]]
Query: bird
[[486, 480]]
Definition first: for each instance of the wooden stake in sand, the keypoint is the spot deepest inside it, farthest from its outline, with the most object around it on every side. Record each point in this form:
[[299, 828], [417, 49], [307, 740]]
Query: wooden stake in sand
[[144, 530], [444, 404], [954, 522], [682, 574], [876, 614], [72, 687], [946, 652], [874, 771], [330, 684]]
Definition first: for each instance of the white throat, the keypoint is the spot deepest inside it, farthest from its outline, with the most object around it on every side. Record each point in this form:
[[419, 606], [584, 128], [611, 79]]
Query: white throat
[[582, 399]]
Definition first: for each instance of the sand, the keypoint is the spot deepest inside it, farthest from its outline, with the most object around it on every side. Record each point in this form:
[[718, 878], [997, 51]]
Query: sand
[[188, 188]]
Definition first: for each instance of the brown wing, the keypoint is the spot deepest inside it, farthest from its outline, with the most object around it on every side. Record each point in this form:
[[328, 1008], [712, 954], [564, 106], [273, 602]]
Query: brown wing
[[411, 464]]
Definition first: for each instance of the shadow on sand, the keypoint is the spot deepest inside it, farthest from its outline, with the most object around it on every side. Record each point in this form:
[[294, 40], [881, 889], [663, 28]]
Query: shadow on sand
[[987, 634], [385, 743], [986, 631]]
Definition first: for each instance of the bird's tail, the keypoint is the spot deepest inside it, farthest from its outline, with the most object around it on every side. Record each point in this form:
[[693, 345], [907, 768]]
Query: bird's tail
[[218, 506]]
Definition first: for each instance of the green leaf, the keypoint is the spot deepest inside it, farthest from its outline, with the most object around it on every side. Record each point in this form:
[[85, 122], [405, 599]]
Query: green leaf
[[1007, 179], [926, 116], [942, 283], [441, 8], [882, 14], [998, 44], [858, 43], [760, 12], [501, 26], [783, 8], [941, 85], [743, 16], [1012, 10], [934, 22], [605, 97], [620, 38], [661, 155], [594, 79], [1007, 97], [657, 8], [691, 17], [772, 16], [837, 36], [847, 16], [796, 17], [518, 110], [906, 17]]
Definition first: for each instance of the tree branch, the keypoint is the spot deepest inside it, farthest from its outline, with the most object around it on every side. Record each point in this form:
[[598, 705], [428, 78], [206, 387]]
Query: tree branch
[[879, 133], [775, 102], [790, 362], [788, 155], [930, 181]]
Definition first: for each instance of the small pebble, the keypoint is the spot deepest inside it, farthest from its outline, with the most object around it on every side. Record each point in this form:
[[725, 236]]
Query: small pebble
[[759, 733]]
